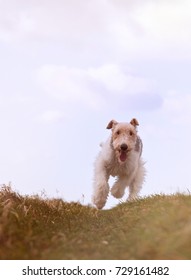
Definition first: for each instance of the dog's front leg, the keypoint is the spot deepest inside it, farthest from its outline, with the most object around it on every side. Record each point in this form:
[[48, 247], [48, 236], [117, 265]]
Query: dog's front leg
[[136, 184], [119, 186], [100, 185]]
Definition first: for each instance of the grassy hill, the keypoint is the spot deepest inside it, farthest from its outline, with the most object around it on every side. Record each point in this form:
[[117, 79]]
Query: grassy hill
[[157, 227]]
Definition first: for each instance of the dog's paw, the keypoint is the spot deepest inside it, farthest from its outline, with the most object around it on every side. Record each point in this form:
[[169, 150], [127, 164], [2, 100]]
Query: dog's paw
[[98, 203], [100, 196], [117, 192]]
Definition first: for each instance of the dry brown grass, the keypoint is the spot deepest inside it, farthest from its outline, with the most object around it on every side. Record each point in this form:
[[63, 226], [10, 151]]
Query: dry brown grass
[[32, 227]]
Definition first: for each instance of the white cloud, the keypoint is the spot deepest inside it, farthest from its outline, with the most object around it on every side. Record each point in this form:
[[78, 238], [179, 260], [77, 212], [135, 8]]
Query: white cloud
[[42, 20], [152, 29], [110, 76], [117, 81], [70, 85], [51, 116], [121, 29], [177, 106], [16, 24], [108, 85]]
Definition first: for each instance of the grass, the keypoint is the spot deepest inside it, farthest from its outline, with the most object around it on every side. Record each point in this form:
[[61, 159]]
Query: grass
[[156, 227]]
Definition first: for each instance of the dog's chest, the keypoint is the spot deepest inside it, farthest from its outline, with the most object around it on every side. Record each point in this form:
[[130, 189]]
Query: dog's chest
[[116, 169]]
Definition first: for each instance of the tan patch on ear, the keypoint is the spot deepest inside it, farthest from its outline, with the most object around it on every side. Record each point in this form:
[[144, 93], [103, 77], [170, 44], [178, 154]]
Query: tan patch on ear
[[134, 122], [111, 124]]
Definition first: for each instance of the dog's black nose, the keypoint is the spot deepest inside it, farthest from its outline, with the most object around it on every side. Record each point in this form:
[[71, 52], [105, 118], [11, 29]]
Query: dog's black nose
[[124, 147]]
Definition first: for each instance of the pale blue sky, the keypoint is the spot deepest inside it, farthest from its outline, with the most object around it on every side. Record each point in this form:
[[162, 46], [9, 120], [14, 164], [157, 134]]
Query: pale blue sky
[[69, 67]]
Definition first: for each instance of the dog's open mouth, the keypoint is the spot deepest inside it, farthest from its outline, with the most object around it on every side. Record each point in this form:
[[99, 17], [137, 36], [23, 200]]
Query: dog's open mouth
[[123, 156]]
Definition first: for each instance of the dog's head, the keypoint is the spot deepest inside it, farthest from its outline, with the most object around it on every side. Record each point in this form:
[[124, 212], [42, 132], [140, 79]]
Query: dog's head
[[124, 138]]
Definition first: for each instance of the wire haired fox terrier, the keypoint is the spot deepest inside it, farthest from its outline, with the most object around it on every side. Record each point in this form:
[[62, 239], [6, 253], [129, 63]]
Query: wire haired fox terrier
[[120, 156]]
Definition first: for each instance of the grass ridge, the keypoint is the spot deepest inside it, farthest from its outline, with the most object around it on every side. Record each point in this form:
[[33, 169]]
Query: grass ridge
[[155, 227]]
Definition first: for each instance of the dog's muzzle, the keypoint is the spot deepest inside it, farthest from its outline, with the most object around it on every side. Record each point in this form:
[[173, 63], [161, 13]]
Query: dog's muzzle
[[124, 147]]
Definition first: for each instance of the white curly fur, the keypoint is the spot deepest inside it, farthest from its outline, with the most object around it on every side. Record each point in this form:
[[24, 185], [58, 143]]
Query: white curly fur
[[120, 156]]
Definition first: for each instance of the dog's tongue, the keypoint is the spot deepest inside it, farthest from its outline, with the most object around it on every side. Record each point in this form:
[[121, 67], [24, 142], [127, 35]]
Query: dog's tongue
[[123, 156]]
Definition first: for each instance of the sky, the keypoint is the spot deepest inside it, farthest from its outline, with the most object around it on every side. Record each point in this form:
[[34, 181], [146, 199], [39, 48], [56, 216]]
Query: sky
[[68, 67]]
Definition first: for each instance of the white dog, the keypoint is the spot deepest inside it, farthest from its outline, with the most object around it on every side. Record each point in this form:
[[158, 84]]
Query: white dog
[[120, 156]]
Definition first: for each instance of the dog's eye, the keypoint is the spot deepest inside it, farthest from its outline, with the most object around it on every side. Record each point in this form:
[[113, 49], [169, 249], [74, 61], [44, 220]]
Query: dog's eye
[[131, 133], [118, 132]]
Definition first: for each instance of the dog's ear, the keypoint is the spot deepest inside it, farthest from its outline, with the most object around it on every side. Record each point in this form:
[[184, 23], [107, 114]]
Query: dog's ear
[[134, 122], [111, 124]]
